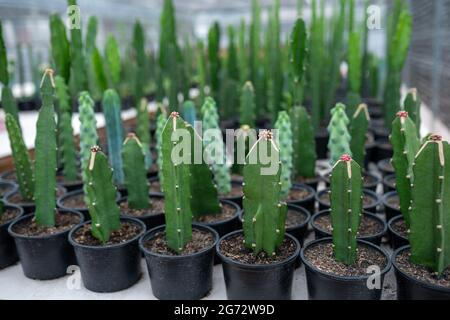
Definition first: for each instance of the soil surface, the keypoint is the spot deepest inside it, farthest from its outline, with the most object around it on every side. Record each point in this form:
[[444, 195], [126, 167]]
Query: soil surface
[[294, 218], [236, 191], [367, 227], [368, 201], [321, 256], [8, 215], [394, 202], [75, 201], [400, 227], [227, 213], [234, 248], [422, 273], [298, 194], [126, 232], [16, 198], [157, 207], [200, 240], [63, 222], [4, 189]]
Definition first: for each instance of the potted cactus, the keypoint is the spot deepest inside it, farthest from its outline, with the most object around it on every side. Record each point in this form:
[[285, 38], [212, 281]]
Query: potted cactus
[[41, 238], [422, 269], [8, 253], [170, 248], [107, 242], [337, 267], [259, 262]]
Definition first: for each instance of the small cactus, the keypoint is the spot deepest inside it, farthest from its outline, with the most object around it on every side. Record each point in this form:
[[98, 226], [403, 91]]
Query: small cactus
[[189, 112], [247, 105], [77, 58], [160, 123], [283, 125], [346, 208], [340, 138], [4, 75], [412, 105], [304, 144], [297, 58], [143, 131], [9, 104], [358, 132], [60, 47], [112, 60]]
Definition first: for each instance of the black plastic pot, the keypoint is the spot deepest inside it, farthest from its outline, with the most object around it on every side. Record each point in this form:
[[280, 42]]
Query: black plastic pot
[[375, 239], [370, 186], [258, 282], [389, 183], [396, 239], [389, 210], [385, 167], [324, 286], [71, 185], [381, 133], [8, 175], [7, 187], [311, 182], [8, 252], [322, 137], [409, 288], [309, 202], [180, 277], [371, 209], [235, 199], [150, 221], [29, 207], [226, 226], [109, 268], [370, 152], [44, 257]]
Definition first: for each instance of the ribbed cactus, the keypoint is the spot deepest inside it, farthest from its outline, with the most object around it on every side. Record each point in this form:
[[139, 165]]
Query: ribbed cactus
[[98, 69], [358, 132], [91, 34], [139, 52], [297, 57], [340, 138], [60, 47], [21, 158], [46, 155], [114, 131], [247, 105], [112, 60], [189, 112], [346, 208], [135, 173], [430, 208], [405, 143], [219, 164], [101, 196], [9, 104], [77, 58], [283, 125], [354, 73], [177, 194], [214, 59], [412, 105], [265, 213], [143, 131], [304, 144], [242, 53], [160, 123], [4, 75]]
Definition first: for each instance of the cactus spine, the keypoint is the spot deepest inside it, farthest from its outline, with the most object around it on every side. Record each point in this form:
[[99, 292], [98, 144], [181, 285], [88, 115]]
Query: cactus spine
[[46, 155], [99, 74], [101, 196], [143, 131], [412, 105], [248, 108], [346, 208], [340, 138], [283, 125], [304, 144], [114, 130], [430, 210], [358, 133], [135, 173], [189, 112], [160, 123], [176, 186], [265, 213]]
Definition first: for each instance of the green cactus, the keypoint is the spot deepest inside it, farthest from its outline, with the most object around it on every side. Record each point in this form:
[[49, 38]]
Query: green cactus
[[202, 72], [354, 73], [304, 144], [160, 123], [406, 144], [214, 59], [189, 112], [91, 35], [283, 125], [412, 105], [429, 214], [2, 209], [101, 196], [112, 60], [265, 213], [21, 158], [46, 155], [60, 47], [135, 173], [177, 193], [143, 131], [297, 56], [139, 52], [168, 33], [346, 208], [219, 164], [101, 80], [4, 75], [78, 63], [114, 132], [255, 41], [247, 105], [340, 138], [242, 53], [9, 104], [358, 132]]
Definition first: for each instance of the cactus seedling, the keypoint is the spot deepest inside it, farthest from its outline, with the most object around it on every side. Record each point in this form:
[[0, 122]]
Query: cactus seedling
[[346, 208], [412, 106], [340, 138], [358, 132], [304, 144], [430, 210], [283, 125], [265, 213], [247, 110], [101, 196]]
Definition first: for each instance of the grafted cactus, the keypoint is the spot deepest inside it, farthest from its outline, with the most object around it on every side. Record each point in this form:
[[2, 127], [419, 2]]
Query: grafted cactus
[[160, 123], [143, 131], [177, 193], [21, 158], [340, 138], [405, 143], [283, 125], [412, 105], [46, 155], [101, 196], [358, 133], [135, 173], [247, 105], [430, 208], [9, 104], [346, 208], [189, 112], [265, 213], [139, 52], [304, 144], [114, 131]]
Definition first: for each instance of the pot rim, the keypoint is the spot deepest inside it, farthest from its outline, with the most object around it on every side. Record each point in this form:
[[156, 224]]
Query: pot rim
[[385, 180], [297, 186], [409, 277], [21, 212], [218, 223], [111, 246], [233, 198], [344, 278], [382, 161], [294, 256], [365, 191], [16, 235], [389, 195], [150, 233], [10, 183], [151, 195], [391, 229]]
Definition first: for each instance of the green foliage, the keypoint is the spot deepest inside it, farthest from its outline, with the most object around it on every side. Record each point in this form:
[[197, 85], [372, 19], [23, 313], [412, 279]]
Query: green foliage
[[247, 105], [168, 32], [189, 112], [143, 131], [340, 138], [214, 59], [91, 35], [60, 47], [139, 52], [160, 123], [297, 57], [358, 133], [99, 70], [354, 72], [112, 60], [412, 105], [283, 125], [4, 75], [9, 104], [78, 62], [304, 144]]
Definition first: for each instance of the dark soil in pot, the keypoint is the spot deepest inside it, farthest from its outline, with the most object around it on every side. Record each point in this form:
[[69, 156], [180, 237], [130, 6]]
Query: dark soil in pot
[[152, 217], [383, 150], [303, 196], [398, 232], [322, 137], [120, 256], [389, 183], [371, 228], [385, 167], [415, 282], [45, 253], [7, 187], [69, 185], [370, 200], [8, 253], [236, 193], [183, 276], [391, 203], [74, 200], [311, 182], [15, 198], [328, 279], [370, 182], [225, 222], [250, 276]]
